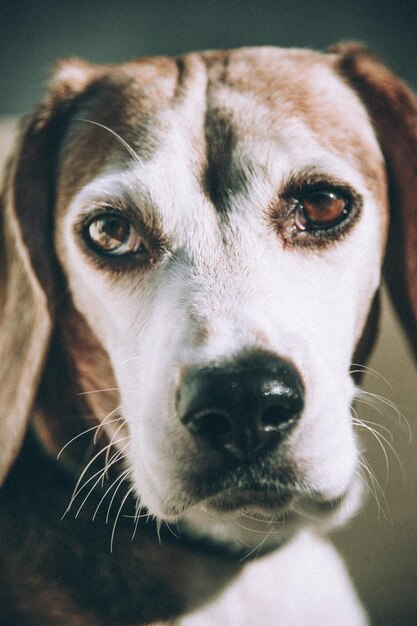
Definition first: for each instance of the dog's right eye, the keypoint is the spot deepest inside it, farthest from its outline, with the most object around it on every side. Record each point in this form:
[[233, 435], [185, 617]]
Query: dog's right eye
[[113, 235]]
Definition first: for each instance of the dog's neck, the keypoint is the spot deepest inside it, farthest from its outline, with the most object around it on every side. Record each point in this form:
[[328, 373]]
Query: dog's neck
[[56, 564]]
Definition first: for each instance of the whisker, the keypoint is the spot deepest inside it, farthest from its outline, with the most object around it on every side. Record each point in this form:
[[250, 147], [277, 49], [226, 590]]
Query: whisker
[[366, 403], [100, 475], [90, 491], [78, 483], [130, 359], [106, 420], [84, 432], [377, 436], [373, 488], [255, 531], [381, 438], [388, 403], [113, 421], [85, 393], [121, 480], [114, 443], [138, 516], [79, 487], [112, 485], [89, 430], [129, 491], [120, 139], [171, 530], [364, 369], [381, 426], [158, 529], [257, 548]]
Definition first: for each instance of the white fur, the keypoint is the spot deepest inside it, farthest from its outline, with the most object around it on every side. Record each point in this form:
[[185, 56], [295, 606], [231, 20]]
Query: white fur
[[307, 574]]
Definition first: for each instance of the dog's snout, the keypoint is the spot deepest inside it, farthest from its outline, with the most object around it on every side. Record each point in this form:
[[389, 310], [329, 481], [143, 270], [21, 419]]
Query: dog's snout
[[243, 408]]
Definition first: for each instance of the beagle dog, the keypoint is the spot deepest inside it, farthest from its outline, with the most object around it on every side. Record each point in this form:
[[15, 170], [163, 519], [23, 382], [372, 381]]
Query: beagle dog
[[191, 256]]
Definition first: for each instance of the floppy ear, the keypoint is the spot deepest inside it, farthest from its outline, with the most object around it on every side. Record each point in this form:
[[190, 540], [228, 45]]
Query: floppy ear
[[393, 111], [27, 277]]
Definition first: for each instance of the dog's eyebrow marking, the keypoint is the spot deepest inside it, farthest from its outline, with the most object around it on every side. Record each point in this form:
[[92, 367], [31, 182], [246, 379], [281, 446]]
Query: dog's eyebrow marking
[[226, 174]]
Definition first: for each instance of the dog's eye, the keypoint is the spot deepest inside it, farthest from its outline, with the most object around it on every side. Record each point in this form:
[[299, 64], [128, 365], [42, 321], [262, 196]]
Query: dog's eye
[[320, 210], [113, 235]]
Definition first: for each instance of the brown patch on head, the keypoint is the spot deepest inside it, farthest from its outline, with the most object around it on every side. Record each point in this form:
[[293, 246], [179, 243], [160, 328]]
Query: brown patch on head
[[123, 101], [302, 86]]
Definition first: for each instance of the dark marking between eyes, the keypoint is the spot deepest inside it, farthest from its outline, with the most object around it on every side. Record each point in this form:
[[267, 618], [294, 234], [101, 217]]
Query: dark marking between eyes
[[225, 176]]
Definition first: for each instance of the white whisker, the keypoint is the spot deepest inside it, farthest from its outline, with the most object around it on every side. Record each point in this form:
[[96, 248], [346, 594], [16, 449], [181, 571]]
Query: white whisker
[[120, 480], [120, 139], [118, 515], [386, 402], [375, 488], [364, 369], [84, 432], [81, 486], [138, 515], [259, 546], [130, 359], [85, 393], [112, 486]]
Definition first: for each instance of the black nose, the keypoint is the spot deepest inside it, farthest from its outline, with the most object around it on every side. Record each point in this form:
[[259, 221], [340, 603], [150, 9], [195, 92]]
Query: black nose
[[241, 408]]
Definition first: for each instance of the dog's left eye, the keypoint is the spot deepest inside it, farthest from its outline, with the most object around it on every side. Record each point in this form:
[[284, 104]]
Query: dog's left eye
[[113, 235], [320, 210]]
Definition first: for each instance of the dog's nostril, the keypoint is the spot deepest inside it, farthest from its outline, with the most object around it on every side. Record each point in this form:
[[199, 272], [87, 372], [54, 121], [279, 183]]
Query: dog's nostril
[[241, 408], [211, 425], [278, 418]]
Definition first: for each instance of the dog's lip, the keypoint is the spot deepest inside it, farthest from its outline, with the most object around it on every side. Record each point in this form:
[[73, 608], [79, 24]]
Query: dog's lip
[[230, 489], [254, 499], [264, 490], [275, 479]]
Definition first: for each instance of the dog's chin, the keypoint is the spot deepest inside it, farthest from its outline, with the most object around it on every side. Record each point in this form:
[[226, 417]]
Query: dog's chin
[[254, 522]]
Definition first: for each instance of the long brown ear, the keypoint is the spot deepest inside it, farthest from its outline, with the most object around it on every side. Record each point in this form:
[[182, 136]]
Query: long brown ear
[[393, 111], [27, 278]]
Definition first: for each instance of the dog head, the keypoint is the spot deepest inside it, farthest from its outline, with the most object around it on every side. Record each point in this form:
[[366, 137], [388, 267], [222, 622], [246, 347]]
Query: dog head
[[204, 239]]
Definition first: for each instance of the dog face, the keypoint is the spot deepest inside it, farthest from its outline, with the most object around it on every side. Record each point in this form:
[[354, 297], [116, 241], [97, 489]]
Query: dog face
[[221, 223]]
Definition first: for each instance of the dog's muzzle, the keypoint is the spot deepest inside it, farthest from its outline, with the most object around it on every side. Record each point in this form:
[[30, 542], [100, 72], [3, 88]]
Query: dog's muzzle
[[242, 408]]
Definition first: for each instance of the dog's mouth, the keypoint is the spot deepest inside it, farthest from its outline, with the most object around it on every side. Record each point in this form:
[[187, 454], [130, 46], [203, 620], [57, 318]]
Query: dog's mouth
[[249, 520], [256, 500], [278, 504], [264, 493]]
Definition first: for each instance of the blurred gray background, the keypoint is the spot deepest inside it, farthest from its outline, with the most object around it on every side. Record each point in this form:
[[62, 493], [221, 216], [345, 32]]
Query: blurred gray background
[[380, 545], [34, 33]]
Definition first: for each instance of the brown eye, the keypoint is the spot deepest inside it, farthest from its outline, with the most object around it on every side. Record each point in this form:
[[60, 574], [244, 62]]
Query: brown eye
[[320, 210], [113, 235]]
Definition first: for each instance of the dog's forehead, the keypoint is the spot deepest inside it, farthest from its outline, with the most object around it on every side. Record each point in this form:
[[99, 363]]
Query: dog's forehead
[[213, 103]]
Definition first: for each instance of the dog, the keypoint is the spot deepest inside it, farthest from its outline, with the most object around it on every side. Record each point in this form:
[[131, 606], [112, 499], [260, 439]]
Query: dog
[[192, 253]]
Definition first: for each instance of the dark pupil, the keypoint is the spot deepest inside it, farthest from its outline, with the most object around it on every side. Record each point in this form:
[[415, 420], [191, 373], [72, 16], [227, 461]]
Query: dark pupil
[[113, 228], [323, 207]]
